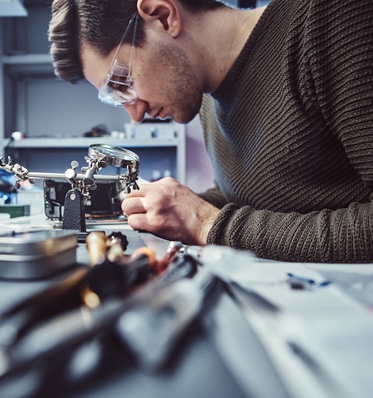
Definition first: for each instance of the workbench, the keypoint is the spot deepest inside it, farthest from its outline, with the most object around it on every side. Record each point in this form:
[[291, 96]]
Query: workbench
[[270, 330]]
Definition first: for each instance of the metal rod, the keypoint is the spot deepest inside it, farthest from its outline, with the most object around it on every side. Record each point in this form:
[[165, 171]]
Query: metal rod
[[61, 176]]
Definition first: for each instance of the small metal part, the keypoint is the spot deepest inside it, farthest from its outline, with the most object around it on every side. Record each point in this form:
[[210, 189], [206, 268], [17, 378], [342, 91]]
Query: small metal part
[[20, 172], [70, 175], [72, 196], [121, 238]]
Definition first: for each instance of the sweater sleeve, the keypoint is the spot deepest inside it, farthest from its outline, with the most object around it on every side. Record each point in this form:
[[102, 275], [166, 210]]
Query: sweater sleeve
[[339, 83], [340, 236], [340, 49]]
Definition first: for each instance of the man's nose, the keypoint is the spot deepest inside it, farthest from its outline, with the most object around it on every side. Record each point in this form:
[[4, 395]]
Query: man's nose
[[137, 110]]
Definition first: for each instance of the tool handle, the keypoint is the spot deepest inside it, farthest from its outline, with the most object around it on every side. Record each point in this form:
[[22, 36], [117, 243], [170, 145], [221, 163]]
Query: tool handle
[[96, 246]]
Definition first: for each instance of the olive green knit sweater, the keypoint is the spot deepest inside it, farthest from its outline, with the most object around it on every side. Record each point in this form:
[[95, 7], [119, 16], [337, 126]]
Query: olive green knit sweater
[[290, 135]]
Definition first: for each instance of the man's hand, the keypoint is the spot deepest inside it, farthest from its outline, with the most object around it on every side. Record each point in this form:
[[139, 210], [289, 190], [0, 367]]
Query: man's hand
[[170, 210]]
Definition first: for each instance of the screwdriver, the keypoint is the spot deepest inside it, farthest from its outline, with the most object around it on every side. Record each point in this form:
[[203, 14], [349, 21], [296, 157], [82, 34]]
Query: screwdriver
[[112, 272]]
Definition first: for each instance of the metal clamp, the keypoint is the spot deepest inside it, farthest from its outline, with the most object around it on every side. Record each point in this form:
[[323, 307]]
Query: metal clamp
[[99, 156]]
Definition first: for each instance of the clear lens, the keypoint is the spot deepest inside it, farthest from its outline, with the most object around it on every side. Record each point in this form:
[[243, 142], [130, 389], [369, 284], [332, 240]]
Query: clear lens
[[118, 89], [117, 94]]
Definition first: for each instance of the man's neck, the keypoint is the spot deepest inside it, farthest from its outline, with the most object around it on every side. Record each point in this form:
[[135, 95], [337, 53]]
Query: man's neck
[[219, 37]]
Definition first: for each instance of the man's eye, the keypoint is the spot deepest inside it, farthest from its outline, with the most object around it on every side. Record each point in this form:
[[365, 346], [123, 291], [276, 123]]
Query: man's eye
[[115, 85], [120, 78]]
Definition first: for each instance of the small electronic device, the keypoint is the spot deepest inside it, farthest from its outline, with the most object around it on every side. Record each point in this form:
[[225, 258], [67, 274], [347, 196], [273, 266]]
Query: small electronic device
[[103, 202]]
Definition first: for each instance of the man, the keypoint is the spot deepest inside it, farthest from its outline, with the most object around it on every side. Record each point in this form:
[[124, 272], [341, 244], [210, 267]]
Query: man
[[285, 95]]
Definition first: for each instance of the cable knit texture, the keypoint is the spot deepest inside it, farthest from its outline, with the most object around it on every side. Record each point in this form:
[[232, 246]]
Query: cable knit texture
[[290, 135]]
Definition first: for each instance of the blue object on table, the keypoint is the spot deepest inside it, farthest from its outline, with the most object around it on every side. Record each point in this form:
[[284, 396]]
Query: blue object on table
[[301, 282]]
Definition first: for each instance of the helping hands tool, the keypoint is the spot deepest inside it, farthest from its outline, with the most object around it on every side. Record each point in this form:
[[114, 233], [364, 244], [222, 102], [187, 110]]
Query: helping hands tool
[[99, 157]]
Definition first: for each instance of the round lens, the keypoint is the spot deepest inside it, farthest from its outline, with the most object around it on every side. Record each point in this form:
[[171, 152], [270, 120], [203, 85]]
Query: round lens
[[113, 155]]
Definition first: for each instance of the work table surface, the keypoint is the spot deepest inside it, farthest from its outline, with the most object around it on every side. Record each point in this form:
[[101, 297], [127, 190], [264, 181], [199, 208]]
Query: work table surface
[[274, 330]]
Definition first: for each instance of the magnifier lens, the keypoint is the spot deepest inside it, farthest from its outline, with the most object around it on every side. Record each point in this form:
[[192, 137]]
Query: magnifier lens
[[113, 155]]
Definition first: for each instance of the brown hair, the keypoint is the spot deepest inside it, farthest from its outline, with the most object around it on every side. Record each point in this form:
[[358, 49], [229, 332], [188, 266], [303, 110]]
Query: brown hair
[[99, 23]]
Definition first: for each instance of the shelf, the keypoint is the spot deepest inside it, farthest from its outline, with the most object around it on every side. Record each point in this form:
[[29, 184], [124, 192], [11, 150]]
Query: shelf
[[29, 64], [27, 59], [83, 142]]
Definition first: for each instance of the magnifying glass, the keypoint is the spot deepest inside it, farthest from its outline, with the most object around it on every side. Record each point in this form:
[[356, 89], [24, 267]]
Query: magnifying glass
[[109, 155], [114, 155]]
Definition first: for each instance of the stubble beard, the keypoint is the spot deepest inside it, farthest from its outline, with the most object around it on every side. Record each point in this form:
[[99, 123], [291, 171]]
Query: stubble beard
[[181, 84]]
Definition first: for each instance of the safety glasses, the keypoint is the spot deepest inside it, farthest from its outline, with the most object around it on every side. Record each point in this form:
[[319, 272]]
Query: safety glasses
[[118, 87]]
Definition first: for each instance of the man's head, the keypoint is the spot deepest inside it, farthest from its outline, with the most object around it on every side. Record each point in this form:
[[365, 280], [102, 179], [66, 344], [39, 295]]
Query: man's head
[[99, 23], [85, 35]]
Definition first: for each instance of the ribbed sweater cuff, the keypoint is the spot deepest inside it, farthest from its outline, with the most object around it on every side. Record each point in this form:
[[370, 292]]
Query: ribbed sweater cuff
[[216, 234]]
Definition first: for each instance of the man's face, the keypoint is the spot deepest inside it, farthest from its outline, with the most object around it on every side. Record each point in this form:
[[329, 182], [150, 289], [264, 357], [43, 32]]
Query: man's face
[[164, 80]]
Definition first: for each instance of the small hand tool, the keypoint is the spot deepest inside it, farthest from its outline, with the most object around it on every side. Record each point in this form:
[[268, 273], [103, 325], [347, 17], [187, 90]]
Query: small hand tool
[[112, 272]]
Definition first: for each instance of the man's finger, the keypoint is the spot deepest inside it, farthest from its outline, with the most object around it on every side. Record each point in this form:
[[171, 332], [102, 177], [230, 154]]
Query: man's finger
[[132, 205]]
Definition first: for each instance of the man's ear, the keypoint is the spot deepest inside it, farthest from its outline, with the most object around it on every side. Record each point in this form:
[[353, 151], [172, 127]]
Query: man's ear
[[167, 12]]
